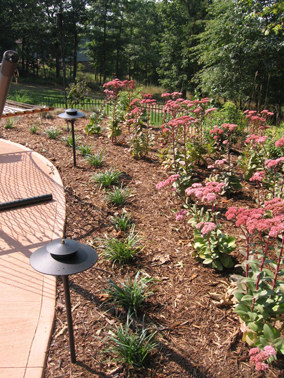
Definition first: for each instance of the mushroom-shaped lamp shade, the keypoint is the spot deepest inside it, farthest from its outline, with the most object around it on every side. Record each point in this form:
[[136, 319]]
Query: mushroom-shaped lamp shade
[[71, 114], [62, 257]]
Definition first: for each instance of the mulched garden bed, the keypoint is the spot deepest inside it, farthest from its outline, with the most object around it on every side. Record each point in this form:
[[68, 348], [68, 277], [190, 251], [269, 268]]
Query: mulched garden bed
[[191, 309]]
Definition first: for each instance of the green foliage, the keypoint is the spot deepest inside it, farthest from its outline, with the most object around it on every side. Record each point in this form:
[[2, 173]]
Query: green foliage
[[122, 251], [230, 179], [122, 223], [85, 150], [33, 129], [77, 93], [9, 123], [69, 140], [180, 21], [196, 151], [118, 196], [236, 57], [23, 97], [260, 305], [251, 161], [96, 118], [96, 160], [140, 142], [214, 248], [130, 294], [132, 347], [52, 132], [108, 178]]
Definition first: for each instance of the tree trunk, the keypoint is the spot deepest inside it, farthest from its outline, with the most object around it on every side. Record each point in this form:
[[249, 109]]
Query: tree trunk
[[75, 52], [57, 64]]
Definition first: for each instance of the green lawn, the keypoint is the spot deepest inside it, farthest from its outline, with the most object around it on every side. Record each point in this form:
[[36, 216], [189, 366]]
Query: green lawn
[[36, 89]]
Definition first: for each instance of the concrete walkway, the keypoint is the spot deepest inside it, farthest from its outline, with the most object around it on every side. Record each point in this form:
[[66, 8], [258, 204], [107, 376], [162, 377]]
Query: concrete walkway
[[27, 298]]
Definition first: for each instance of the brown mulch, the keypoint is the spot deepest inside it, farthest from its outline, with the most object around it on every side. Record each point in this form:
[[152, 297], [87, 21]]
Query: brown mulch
[[191, 307]]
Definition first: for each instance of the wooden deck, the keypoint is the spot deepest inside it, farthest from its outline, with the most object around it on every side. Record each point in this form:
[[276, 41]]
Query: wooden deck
[[13, 109]]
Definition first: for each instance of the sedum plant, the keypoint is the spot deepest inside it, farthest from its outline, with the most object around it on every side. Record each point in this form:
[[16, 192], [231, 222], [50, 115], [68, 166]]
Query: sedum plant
[[212, 246], [260, 291]]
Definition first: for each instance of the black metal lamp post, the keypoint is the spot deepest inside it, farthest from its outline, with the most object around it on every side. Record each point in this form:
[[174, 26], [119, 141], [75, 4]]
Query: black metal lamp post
[[63, 257], [71, 115]]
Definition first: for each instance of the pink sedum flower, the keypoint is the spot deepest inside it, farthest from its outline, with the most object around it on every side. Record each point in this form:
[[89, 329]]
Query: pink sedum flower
[[269, 350], [254, 351], [206, 227], [181, 214], [280, 142], [167, 182], [261, 366], [258, 176]]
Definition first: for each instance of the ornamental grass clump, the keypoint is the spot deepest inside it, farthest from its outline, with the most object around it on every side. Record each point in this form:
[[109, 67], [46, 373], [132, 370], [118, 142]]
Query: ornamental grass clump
[[122, 251], [52, 133], [108, 178], [33, 129], [85, 150], [96, 160], [132, 346], [122, 222], [130, 294], [69, 140], [118, 196]]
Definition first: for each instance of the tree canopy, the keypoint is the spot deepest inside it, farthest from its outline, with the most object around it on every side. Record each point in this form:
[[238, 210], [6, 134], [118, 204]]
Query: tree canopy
[[226, 48]]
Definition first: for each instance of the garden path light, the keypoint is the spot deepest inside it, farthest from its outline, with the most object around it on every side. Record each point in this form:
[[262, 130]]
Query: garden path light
[[71, 115], [63, 257]]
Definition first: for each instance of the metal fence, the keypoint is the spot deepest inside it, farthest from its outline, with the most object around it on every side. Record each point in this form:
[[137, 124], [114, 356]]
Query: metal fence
[[90, 104]]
